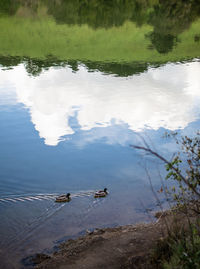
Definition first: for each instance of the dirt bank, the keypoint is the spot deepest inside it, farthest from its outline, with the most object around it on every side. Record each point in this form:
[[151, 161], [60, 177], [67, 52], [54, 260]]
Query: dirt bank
[[123, 247]]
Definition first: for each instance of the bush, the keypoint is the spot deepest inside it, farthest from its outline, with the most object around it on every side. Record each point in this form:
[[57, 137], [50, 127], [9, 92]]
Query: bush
[[181, 248]]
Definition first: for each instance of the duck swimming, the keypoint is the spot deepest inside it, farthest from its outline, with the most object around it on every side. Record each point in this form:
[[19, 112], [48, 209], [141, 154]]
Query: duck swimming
[[63, 198], [101, 193]]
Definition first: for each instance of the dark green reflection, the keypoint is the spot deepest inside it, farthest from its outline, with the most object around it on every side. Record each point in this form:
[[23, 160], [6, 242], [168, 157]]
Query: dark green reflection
[[120, 37], [9, 7], [99, 13], [169, 19], [34, 67]]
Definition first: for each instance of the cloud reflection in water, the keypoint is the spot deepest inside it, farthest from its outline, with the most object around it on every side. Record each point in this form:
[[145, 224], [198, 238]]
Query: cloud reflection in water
[[167, 97]]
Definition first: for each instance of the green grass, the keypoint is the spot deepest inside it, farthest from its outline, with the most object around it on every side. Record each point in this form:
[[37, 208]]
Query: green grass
[[180, 250], [37, 38]]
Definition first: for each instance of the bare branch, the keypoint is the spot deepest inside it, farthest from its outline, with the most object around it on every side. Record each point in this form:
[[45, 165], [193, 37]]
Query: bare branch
[[149, 150]]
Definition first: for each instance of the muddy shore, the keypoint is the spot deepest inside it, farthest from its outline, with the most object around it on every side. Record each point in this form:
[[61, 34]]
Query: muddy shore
[[123, 247]]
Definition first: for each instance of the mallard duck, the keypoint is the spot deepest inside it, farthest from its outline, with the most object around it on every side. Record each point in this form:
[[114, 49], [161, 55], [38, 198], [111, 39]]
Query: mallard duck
[[101, 193], [63, 198]]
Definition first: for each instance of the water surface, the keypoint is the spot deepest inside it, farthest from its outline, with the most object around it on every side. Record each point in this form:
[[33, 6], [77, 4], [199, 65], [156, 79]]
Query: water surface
[[76, 90]]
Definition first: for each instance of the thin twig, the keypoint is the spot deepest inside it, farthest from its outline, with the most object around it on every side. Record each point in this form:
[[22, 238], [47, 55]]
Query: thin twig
[[167, 162]]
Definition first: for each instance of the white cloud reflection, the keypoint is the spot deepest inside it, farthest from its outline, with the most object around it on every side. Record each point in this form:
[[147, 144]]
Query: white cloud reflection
[[166, 97]]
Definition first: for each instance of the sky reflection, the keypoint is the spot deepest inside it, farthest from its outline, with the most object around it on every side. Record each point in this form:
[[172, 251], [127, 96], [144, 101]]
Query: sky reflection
[[61, 102]]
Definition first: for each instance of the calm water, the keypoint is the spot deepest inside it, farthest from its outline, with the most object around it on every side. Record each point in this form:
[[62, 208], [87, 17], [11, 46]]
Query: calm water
[[80, 83]]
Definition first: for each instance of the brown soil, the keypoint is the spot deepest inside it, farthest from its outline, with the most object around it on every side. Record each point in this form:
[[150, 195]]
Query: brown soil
[[123, 247]]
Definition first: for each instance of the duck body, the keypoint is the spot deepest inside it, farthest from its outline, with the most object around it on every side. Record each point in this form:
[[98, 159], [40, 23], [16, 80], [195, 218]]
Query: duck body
[[63, 198], [101, 193]]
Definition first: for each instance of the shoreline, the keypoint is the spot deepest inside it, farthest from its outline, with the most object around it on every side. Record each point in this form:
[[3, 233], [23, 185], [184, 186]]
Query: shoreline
[[128, 246], [123, 247]]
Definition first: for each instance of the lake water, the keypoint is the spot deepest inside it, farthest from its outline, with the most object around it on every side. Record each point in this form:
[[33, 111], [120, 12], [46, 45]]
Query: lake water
[[79, 84]]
